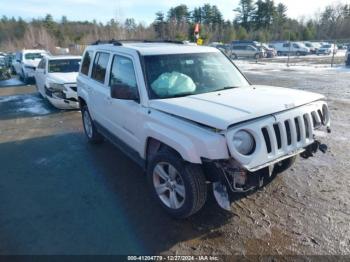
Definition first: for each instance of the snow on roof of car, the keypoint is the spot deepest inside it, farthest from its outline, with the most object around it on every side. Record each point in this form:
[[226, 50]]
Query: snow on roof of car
[[34, 51], [160, 48], [61, 57]]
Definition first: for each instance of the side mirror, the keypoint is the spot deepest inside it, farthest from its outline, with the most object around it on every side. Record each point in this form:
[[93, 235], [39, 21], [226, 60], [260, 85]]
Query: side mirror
[[122, 91]]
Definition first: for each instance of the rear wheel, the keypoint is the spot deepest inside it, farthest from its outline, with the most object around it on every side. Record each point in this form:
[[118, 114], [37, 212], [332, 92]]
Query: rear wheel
[[90, 130], [178, 186]]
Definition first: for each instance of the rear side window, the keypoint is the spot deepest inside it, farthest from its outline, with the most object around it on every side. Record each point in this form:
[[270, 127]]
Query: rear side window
[[86, 63], [100, 66], [123, 73]]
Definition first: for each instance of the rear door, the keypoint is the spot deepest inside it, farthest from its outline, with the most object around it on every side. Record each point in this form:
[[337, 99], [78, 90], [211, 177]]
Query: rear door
[[98, 89]]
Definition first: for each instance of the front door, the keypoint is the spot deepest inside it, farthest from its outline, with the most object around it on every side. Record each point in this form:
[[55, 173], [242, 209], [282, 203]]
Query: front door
[[125, 115]]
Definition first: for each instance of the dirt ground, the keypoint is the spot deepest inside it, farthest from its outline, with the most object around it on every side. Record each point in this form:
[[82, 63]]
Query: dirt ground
[[61, 195]]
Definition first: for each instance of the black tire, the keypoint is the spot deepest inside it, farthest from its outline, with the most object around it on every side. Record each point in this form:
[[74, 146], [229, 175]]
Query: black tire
[[256, 56], [298, 53], [284, 165], [279, 53], [193, 181], [94, 137]]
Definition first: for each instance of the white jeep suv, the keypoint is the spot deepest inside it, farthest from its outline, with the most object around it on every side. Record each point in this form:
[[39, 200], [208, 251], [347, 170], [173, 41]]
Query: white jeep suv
[[190, 118]]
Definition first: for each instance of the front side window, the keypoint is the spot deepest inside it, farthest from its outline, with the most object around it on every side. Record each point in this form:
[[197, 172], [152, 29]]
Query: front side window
[[86, 62], [100, 66], [64, 65], [189, 74], [123, 73]]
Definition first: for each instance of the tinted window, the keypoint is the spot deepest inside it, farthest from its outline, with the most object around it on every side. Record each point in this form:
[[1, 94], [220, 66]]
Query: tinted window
[[32, 56], [86, 63], [99, 67], [286, 45], [122, 72], [64, 65], [296, 46]]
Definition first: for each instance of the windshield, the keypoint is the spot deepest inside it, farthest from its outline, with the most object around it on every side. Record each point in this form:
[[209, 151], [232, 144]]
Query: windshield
[[64, 65], [33, 56], [188, 74], [326, 46]]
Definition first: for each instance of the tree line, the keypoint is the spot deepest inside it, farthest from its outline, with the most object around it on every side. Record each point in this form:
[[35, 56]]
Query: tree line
[[260, 20]]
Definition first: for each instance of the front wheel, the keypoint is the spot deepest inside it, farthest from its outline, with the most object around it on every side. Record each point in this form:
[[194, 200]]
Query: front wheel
[[178, 186], [90, 130]]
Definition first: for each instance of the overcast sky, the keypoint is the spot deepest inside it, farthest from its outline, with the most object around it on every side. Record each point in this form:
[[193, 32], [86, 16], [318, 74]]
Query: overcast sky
[[141, 10]]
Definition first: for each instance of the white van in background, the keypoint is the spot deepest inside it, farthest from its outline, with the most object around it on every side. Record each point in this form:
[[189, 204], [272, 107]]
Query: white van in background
[[26, 62], [293, 48]]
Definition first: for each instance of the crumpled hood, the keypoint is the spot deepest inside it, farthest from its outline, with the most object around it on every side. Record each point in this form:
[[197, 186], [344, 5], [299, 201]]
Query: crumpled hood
[[63, 77], [224, 108]]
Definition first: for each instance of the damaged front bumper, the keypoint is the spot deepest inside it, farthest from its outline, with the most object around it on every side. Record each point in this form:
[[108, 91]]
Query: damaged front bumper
[[229, 176], [63, 99]]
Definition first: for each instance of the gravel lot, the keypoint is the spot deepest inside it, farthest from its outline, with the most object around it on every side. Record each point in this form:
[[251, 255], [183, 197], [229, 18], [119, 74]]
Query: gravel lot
[[61, 195]]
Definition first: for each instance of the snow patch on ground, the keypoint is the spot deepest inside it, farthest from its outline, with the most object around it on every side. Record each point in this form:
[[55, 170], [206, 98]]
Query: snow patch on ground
[[27, 103], [268, 67], [8, 99], [34, 105], [11, 82]]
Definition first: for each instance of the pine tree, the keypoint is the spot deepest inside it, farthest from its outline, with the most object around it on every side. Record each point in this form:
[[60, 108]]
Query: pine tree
[[245, 12]]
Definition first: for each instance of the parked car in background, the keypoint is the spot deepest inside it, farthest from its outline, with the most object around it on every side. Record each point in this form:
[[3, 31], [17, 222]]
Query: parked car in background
[[327, 49], [26, 62], [347, 56], [312, 46], [56, 80], [222, 47], [4, 70], [9, 60], [270, 52], [292, 48], [190, 130], [245, 51]]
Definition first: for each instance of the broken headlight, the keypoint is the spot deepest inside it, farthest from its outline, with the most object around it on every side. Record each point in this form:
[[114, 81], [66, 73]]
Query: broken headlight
[[244, 142]]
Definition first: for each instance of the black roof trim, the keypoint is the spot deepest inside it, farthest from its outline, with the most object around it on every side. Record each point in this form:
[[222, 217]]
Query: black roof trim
[[120, 42]]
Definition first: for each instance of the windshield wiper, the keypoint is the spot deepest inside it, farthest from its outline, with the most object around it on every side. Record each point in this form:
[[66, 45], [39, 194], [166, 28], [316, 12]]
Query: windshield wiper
[[181, 95], [226, 87]]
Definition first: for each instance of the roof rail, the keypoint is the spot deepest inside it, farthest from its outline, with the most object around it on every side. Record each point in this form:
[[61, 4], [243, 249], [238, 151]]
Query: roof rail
[[101, 42], [120, 42]]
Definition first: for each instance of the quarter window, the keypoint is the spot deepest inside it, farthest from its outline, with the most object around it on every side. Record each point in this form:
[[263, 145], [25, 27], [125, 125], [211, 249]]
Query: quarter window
[[86, 63], [123, 73], [100, 66]]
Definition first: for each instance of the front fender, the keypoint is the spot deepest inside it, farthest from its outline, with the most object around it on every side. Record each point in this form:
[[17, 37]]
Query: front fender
[[179, 142], [191, 141]]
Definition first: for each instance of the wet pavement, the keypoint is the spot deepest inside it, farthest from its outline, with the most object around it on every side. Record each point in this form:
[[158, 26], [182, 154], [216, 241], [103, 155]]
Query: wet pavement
[[61, 195]]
